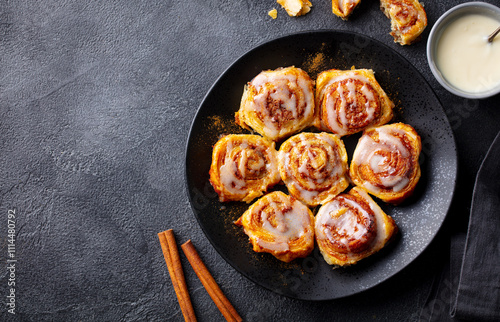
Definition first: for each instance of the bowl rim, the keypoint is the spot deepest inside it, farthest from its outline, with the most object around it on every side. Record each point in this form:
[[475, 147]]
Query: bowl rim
[[432, 41]]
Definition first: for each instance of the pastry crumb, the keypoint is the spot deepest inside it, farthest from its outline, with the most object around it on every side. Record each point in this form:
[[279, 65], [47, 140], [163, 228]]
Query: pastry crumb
[[296, 8], [273, 13]]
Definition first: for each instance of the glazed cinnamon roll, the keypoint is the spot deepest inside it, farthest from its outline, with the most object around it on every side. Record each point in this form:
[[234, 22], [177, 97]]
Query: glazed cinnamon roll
[[277, 103], [280, 225], [344, 8], [408, 19], [350, 101], [243, 167], [352, 227], [313, 166], [385, 162]]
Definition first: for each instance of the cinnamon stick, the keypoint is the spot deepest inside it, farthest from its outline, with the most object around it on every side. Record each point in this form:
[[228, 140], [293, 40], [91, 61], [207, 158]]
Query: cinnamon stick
[[171, 254], [209, 283]]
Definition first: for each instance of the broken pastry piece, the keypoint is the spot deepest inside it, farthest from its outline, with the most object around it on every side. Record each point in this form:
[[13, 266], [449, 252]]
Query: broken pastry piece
[[408, 19], [344, 8], [296, 8], [273, 13]]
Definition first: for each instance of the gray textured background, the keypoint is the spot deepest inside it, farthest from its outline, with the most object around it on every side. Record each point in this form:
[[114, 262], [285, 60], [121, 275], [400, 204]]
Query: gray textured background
[[96, 101]]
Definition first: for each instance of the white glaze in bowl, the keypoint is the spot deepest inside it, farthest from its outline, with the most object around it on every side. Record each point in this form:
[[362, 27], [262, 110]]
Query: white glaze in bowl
[[441, 24]]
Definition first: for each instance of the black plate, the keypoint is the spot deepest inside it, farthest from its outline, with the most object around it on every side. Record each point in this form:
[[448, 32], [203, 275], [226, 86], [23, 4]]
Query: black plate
[[419, 218]]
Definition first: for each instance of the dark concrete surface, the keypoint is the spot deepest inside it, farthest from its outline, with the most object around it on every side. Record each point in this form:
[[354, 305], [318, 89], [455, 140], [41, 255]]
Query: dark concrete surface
[[96, 102]]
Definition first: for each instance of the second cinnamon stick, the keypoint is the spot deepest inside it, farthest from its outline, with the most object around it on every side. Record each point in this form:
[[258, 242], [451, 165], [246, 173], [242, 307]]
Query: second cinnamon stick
[[209, 283]]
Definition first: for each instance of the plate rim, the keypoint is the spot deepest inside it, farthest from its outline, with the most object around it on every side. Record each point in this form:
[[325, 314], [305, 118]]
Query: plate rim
[[249, 53]]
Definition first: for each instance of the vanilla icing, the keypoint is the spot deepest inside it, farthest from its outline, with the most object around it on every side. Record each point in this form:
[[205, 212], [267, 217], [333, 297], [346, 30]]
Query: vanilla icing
[[464, 56]]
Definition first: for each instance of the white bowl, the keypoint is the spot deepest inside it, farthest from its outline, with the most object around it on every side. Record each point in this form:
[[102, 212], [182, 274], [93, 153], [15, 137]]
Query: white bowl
[[436, 32]]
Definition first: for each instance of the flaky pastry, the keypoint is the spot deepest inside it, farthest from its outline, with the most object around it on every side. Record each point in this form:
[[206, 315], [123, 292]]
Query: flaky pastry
[[243, 167], [277, 103], [352, 227], [385, 162], [408, 19], [349, 101], [280, 225], [296, 8], [313, 166], [344, 8]]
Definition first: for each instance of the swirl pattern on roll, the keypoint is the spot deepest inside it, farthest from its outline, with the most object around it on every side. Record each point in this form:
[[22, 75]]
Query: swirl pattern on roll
[[243, 167], [313, 166], [408, 19], [344, 8], [385, 162], [352, 227], [277, 103], [280, 225], [350, 101]]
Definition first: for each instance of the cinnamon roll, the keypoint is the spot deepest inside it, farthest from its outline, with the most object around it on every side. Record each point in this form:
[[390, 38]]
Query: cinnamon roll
[[277, 103], [243, 167], [385, 162], [313, 166], [352, 227], [280, 225], [408, 19], [350, 101], [344, 8]]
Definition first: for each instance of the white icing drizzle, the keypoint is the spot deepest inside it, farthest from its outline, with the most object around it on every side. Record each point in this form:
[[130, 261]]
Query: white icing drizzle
[[398, 186], [281, 225], [324, 216], [280, 87], [351, 86], [386, 135], [337, 119], [276, 246], [370, 111], [367, 153], [377, 163], [345, 222], [289, 225], [302, 168], [309, 181], [367, 93], [229, 180], [304, 193], [379, 216], [228, 171], [332, 118]]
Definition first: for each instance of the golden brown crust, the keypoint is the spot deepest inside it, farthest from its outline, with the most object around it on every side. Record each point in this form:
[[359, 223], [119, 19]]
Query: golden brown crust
[[280, 225], [352, 227], [273, 13], [314, 167], [243, 167], [278, 103], [408, 19], [349, 101], [385, 162], [295, 8], [344, 8]]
